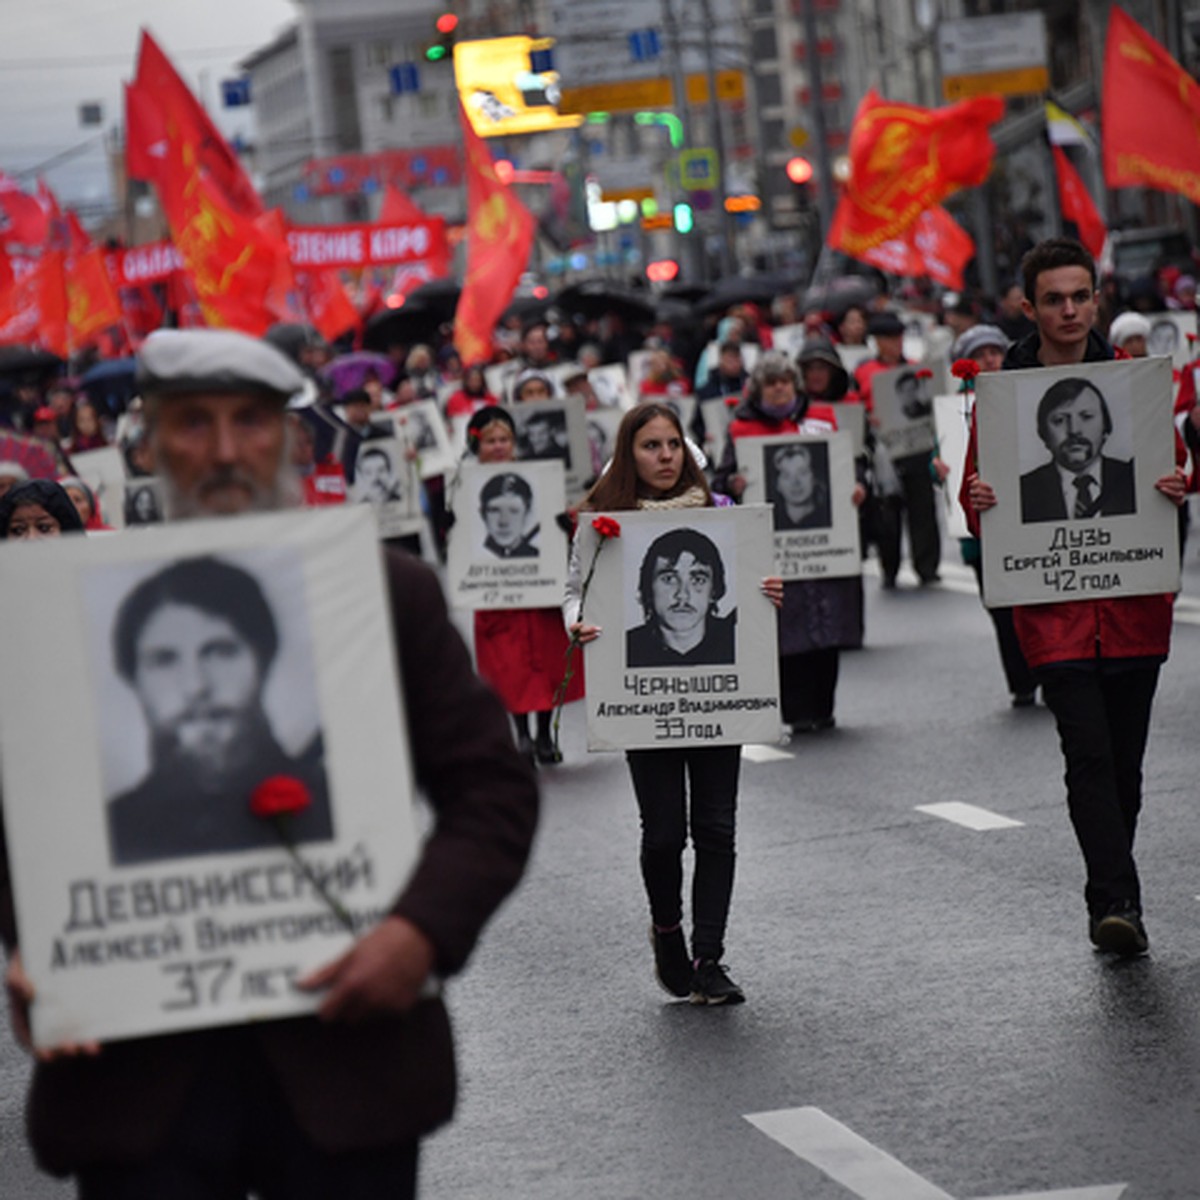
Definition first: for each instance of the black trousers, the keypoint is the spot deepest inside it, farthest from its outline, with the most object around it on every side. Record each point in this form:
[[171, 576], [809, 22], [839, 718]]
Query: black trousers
[[1016, 670], [236, 1135], [1103, 716], [917, 502], [807, 685], [662, 780]]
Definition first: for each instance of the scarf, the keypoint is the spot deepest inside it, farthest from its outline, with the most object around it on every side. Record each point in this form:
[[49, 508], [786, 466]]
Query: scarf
[[693, 498]]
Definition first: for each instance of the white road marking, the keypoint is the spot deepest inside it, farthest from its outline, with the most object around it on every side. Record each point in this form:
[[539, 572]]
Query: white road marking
[[969, 815], [871, 1173], [762, 754], [1107, 1191], [846, 1158]]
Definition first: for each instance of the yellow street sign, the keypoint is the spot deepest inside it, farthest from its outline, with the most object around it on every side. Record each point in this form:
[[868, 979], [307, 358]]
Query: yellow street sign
[[798, 136], [633, 95], [1021, 81]]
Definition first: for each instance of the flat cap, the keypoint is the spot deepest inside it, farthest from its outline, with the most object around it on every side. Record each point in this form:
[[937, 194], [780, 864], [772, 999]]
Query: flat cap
[[885, 324], [174, 362], [1128, 325]]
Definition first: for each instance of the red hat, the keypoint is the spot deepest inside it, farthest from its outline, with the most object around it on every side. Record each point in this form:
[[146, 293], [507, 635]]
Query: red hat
[[45, 413]]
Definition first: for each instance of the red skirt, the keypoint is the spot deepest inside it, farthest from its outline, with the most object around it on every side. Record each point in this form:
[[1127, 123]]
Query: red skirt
[[522, 653]]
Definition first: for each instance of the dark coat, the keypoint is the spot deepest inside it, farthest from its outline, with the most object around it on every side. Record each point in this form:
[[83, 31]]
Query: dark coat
[[644, 646], [1042, 494], [381, 1082]]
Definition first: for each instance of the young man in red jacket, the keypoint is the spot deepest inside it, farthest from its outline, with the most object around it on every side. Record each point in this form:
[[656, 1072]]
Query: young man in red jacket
[[1097, 661]]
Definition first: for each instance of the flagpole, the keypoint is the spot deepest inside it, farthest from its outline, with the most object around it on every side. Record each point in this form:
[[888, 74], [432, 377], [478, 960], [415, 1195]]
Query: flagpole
[[812, 63]]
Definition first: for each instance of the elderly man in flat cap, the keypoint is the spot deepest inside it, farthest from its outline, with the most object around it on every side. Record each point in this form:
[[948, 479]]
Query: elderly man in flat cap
[[330, 1105]]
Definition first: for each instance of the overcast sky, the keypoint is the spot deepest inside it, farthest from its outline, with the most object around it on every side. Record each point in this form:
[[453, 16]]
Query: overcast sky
[[58, 54]]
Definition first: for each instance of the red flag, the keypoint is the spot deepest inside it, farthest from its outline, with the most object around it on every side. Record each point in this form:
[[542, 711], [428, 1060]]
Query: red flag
[[1077, 204], [399, 208], [92, 301], [906, 159], [233, 264], [936, 246], [35, 309], [944, 245], [1150, 114], [330, 308], [145, 135], [23, 220], [158, 88], [499, 233]]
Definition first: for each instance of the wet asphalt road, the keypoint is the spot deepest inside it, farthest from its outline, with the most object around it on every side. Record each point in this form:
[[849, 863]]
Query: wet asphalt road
[[922, 990]]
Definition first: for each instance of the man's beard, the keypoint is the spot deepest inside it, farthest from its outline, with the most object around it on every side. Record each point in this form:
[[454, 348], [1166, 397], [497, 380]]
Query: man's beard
[[208, 767], [286, 490]]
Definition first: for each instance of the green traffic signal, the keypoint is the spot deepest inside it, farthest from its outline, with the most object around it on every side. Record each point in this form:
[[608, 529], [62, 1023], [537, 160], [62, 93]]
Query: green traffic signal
[[685, 219], [436, 53]]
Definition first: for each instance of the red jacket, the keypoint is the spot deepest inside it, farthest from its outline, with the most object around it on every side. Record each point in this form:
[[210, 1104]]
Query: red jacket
[[1078, 630]]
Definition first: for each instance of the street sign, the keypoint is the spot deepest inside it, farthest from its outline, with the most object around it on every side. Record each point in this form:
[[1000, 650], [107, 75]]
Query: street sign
[[235, 93], [798, 136], [635, 95], [404, 77], [1003, 55], [658, 221], [698, 170]]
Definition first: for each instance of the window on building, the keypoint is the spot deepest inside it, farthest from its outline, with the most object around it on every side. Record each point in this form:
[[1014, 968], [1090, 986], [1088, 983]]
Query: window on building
[[427, 104], [379, 54], [386, 107]]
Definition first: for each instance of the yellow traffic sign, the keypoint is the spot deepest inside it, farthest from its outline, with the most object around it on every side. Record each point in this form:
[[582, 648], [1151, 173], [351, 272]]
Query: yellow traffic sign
[[633, 95], [1021, 81]]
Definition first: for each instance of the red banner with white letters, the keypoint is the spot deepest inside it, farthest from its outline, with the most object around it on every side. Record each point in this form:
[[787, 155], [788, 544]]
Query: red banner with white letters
[[343, 246]]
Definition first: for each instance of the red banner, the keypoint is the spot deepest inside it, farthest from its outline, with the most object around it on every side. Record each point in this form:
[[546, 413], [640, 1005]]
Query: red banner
[[906, 159], [1077, 204], [340, 246], [499, 233], [152, 263], [424, 166], [1150, 114], [23, 219]]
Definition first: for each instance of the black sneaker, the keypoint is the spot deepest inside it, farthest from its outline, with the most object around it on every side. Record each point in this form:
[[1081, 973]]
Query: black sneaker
[[672, 964], [546, 751], [711, 984], [1120, 930]]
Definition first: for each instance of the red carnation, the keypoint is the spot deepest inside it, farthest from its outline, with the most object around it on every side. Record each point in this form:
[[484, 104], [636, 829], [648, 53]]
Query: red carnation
[[606, 527], [965, 368], [924, 373], [732, 401], [279, 796], [1191, 337]]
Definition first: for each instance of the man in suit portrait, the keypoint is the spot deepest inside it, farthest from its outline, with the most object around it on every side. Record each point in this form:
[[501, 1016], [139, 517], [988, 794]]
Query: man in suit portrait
[[1080, 481]]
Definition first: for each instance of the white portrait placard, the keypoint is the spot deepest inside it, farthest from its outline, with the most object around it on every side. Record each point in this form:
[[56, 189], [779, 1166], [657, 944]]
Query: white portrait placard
[[951, 418], [696, 664], [610, 382], [103, 470], [555, 431], [904, 410], [1040, 432], [602, 426], [808, 482], [500, 377], [789, 339], [717, 414], [505, 547], [851, 416], [149, 897], [1169, 334], [385, 477], [853, 356], [420, 426]]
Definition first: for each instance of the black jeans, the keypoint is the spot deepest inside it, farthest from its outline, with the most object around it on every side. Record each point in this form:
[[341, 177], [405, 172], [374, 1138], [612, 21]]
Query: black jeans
[[807, 685], [236, 1134], [1103, 716], [917, 500], [663, 804]]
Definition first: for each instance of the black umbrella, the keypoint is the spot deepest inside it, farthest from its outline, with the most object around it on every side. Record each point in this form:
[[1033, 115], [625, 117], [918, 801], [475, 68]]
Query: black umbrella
[[438, 296], [22, 360], [745, 289], [404, 326], [677, 289], [110, 385], [837, 295], [527, 308], [595, 297]]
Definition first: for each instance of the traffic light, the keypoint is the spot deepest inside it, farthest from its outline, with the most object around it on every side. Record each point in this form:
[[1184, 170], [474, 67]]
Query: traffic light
[[447, 26], [685, 218], [799, 170]]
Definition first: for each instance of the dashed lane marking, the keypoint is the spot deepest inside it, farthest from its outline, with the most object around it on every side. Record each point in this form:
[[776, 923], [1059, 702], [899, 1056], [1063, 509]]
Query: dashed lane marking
[[762, 754], [969, 815], [871, 1173]]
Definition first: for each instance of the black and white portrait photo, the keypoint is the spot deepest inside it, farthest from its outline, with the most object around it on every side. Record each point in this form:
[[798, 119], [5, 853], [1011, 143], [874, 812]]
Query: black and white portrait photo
[[377, 474], [143, 502], [507, 507], [904, 409], [194, 649], [681, 583], [542, 434], [914, 404], [1083, 475], [1164, 336], [797, 484]]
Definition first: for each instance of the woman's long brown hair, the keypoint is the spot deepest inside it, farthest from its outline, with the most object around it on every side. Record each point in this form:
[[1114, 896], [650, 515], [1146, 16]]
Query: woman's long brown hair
[[619, 488]]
